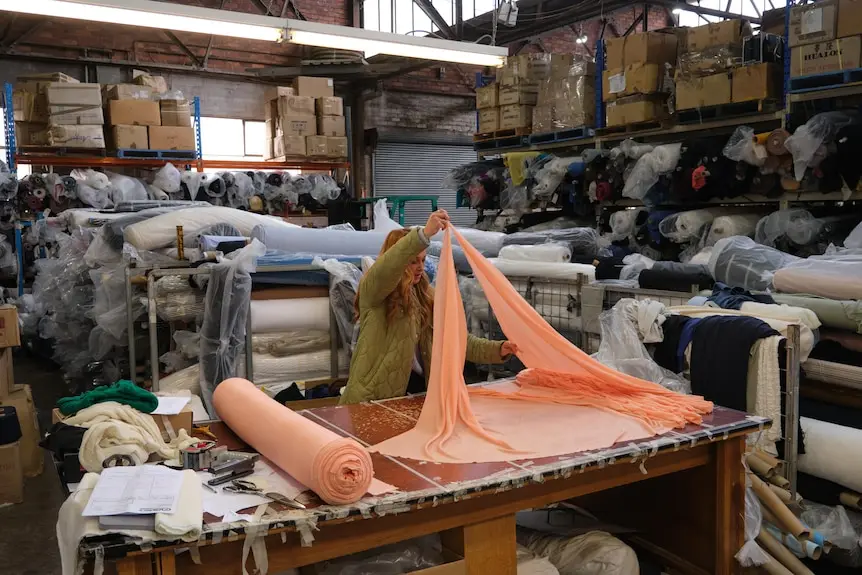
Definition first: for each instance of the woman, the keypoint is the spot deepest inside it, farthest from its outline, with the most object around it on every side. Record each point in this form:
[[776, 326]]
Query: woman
[[394, 305]]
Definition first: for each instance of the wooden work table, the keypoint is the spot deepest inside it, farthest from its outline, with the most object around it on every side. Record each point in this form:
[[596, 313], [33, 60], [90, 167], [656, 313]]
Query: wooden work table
[[684, 492]]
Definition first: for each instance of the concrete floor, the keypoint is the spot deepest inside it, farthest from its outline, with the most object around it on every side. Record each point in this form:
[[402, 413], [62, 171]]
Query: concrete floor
[[28, 539]]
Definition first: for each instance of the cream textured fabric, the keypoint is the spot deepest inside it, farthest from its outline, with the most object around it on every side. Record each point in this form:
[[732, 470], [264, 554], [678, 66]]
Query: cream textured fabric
[[187, 522], [783, 312], [116, 429], [764, 388]]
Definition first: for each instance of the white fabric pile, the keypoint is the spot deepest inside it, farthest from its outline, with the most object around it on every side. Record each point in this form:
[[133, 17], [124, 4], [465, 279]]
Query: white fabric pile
[[116, 429]]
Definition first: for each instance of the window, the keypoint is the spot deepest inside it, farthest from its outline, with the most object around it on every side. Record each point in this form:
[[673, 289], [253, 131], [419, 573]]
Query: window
[[230, 139], [24, 170], [404, 17]]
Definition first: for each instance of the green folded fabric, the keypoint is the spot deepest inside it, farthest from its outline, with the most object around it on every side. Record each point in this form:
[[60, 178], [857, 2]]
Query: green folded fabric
[[124, 391]]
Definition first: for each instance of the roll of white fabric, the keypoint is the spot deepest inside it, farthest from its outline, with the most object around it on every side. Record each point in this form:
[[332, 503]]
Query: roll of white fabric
[[161, 231], [623, 222], [567, 271], [735, 225], [553, 253], [319, 241], [686, 226], [489, 243], [269, 369], [277, 315], [832, 452]]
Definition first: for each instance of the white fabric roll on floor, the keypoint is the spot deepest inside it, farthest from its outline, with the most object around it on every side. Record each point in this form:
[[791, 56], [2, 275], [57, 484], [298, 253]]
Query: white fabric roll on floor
[[277, 315], [568, 271], [551, 252], [319, 241], [832, 452], [161, 231]]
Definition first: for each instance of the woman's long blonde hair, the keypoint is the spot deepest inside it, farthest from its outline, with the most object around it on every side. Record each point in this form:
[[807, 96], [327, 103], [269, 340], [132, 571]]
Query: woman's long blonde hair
[[407, 295]]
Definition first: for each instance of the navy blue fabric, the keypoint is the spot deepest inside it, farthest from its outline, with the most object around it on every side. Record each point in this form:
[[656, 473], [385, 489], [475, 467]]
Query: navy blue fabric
[[685, 337], [733, 297]]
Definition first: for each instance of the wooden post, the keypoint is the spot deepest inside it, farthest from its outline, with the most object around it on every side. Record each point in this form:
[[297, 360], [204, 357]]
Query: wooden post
[[487, 547], [729, 504], [136, 565]]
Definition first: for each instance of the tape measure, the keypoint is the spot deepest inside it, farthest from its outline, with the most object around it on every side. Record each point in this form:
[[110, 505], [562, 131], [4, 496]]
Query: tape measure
[[197, 456]]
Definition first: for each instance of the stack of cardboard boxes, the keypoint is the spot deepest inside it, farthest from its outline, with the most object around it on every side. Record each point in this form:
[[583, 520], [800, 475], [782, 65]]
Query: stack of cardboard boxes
[[709, 70], [567, 98], [634, 82], [21, 458], [824, 37], [56, 110], [305, 120]]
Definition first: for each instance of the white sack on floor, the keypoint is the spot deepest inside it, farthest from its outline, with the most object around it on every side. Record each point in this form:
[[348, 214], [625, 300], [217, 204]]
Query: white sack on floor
[[278, 315], [567, 271], [594, 553], [552, 253], [319, 241], [161, 231], [832, 452], [529, 564]]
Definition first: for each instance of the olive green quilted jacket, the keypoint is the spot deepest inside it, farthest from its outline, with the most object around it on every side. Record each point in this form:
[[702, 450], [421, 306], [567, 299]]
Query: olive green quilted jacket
[[384, 354]]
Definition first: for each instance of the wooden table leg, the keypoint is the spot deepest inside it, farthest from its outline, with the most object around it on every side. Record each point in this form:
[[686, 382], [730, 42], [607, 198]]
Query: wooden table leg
[[487, 547], [167, 564], [729, 505], [136, 565]]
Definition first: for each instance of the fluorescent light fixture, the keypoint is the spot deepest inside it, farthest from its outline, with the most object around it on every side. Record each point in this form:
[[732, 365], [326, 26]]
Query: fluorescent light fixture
[[370, 41], [581, 40], [156, 15], [167, 16]]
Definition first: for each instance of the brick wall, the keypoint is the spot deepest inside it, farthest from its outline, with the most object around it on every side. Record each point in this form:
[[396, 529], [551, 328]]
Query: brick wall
[[413, 111]]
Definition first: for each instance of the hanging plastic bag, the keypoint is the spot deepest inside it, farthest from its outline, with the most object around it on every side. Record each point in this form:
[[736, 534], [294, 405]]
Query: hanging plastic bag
[[382, 221], [805, 143], [662, 160], [742, 147]]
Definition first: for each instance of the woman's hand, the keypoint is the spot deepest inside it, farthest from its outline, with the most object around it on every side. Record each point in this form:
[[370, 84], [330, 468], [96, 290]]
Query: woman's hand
[[437, 221], [508, 349]]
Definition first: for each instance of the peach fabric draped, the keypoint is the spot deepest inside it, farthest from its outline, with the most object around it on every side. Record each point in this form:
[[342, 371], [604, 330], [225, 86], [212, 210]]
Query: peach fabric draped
[[566, 403]]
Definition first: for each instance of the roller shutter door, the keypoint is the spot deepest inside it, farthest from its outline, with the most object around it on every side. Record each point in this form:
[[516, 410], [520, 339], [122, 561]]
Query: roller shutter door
[[419, 169]]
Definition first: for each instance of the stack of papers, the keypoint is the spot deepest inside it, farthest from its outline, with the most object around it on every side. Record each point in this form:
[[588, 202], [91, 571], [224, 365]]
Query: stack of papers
[[139, 490]]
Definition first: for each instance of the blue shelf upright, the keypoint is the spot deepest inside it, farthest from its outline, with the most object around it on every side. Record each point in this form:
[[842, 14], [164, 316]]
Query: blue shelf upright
[[196, 104], [10, 128], [600, 68]]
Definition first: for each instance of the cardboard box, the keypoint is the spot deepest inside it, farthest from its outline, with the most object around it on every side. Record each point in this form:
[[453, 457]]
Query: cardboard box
[[11, 474], [296, 106], [269, 127], [813, 23], [578, 88], [128, 92], [849, 18], [526, 94], [275, 92], [297, 126], [157, 83], [91, 137], [563, 114], [638, 78], [489, 120], [717, 34], [313, 87], [270, 110], [176, 113], [516, 116], [699, 92], [486, 97], [756, 82], [7, 373], [268, 148], [29, 106], [134, 113], [48, 78], [646, 47], [171, 138], [525, 68], [615, 52], [129, 138], [9, 334], [30, 452], [331, 126], [315, 146], [30, 133], [289, 146], [633, 110], [75, 104], [822, 57], [710, 60], [336, 147], [330, 106]]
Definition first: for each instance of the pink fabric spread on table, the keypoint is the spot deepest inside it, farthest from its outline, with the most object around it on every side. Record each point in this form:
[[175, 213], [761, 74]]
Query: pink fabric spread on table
[[339, 470], [571, 404]]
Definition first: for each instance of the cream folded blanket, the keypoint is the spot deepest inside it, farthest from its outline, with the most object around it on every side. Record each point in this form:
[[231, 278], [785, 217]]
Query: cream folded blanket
[[116, 429]]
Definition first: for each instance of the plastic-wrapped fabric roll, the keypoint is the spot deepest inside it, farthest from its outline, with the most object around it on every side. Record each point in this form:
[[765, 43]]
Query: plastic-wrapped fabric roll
[[582, 241], [623, 222], [832, 452], [552, 252], [338, 469], [735, 225], [567, 271], [686, 226], [837, 278], [798, 225], [854, 239], [277, 315], [489, 243], [319, 241], [270, 369], [284, 343], [741, 262], [161, 231]]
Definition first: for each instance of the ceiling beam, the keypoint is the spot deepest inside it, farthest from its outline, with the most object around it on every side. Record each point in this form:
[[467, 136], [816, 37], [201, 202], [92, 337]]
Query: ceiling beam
[[206, 58], [197, 62], [634, 25], [576, 14], [11, 41], [700, 10], [459, 19], [436, 18]]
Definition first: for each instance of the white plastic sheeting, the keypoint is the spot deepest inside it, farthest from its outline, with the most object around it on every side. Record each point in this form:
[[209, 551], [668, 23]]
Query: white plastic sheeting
[[854, 240], [382, 221], [661, 160], [319, 241], [161, 231], [554, 253], [839, 277], [560, 271], [687, 226], [739, 261], [594, 553]]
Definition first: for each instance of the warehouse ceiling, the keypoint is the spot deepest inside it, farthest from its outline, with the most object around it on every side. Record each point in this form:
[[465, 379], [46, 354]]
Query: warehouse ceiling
[[84, 42]]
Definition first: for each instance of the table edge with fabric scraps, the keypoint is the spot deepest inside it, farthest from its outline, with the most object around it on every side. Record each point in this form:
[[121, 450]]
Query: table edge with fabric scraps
[[474, 510]]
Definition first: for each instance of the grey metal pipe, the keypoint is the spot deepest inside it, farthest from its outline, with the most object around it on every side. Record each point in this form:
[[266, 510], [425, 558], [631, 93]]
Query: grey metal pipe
[[130, 326], [791, 439]]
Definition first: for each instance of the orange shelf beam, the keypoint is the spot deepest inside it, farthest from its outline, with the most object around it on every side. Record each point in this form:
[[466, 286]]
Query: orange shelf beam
[[107, 162]]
